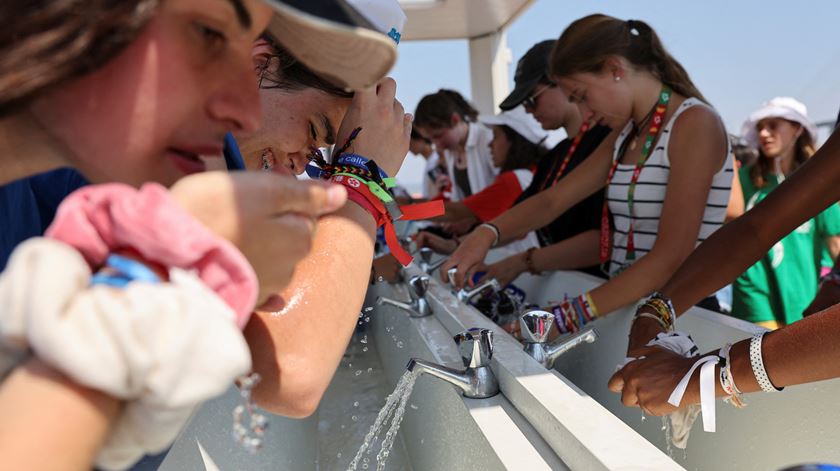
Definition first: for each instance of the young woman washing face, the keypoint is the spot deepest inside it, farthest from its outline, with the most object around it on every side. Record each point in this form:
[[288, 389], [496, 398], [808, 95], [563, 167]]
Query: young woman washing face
[[206, 45], [667, 177]]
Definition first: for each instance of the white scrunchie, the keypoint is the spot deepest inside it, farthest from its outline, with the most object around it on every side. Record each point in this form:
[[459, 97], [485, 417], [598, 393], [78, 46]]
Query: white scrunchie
[[161, 347]]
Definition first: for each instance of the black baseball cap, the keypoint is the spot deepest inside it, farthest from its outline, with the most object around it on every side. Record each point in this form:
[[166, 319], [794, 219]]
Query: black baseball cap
[[334, 39], [530, 70]]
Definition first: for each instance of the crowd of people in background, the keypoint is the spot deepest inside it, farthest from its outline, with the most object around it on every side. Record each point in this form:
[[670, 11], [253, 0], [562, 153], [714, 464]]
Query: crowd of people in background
[[140, 202]]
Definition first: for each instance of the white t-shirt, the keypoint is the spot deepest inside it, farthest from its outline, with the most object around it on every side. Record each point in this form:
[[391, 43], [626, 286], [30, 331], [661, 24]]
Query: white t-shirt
[[480, 169], [429, 188]]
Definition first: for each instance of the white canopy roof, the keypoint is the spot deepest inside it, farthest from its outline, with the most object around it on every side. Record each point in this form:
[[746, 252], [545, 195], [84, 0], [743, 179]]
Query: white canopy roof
[[458, 19]]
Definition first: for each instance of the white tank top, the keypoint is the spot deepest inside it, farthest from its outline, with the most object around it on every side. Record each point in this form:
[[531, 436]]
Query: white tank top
[[650, 195]]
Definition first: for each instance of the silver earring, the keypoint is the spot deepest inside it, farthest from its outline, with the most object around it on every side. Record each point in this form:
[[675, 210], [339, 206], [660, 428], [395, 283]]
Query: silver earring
[[617, 78]]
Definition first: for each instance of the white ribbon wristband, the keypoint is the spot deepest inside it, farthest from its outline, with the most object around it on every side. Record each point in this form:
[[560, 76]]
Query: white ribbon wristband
[[707, 389]]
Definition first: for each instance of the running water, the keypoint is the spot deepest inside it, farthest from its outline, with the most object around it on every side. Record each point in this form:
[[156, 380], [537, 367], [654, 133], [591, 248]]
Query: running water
[[666, 427], [394, 410]]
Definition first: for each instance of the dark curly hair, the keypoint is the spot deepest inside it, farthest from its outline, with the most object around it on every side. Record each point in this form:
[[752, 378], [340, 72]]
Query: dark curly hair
[[283, 71]]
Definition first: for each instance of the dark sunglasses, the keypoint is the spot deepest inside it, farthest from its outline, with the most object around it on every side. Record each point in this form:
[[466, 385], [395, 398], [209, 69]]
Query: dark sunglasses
[[531, 100]]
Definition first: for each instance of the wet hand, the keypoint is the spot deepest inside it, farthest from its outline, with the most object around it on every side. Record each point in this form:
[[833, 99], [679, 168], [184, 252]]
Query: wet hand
[[435, 242], [468, 256], [504, 271], [386, 127], [648, 382], [269, 217]]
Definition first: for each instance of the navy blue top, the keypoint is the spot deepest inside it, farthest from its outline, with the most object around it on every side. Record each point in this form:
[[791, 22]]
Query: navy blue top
[[28, 206]]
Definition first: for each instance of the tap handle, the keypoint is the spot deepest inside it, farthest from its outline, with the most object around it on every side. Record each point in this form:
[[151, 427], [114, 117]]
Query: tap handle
[[492, 284], [536, 325], [450, 275], [426, 255], [475, 346], [419, 286]]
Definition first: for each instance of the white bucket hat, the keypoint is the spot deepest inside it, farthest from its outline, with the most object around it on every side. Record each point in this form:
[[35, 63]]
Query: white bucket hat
[[780, 107], [352, 43], [518, 120]]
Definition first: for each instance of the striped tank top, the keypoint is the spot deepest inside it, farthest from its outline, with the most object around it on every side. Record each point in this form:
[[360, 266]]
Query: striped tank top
[[650, 195]]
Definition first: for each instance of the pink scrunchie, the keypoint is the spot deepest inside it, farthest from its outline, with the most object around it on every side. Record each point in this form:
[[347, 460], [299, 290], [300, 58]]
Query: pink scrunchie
[[99, 219]]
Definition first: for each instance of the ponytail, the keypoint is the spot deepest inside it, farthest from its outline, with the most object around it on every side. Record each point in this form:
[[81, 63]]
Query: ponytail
[[435, 111], [588, 42]]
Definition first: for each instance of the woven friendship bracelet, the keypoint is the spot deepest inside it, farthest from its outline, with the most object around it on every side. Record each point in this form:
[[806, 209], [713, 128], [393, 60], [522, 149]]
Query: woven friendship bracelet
[[757, 363], [663, 310], [727, 382]]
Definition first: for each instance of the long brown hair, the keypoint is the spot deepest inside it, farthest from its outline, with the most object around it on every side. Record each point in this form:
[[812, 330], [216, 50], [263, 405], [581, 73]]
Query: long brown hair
[[588, 42], [44, 43], [763, 167], [435, 111], [523, 153]]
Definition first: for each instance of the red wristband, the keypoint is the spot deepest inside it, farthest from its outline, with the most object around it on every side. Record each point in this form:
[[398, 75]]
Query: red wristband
[[359, 193]]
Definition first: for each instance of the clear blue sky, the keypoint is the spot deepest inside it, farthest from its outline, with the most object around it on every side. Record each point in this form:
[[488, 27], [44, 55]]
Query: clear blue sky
[[740, 53]]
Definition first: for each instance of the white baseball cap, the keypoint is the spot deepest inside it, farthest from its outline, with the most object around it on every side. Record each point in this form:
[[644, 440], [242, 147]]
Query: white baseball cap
[[784, 107], [349, 42], [520, 121]]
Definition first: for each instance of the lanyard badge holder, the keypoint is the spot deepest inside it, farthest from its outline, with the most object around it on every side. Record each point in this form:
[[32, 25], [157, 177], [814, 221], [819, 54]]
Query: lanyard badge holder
[[653, 131]]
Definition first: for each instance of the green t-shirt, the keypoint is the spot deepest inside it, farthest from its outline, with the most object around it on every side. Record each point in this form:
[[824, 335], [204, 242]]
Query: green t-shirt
[[784, 282]]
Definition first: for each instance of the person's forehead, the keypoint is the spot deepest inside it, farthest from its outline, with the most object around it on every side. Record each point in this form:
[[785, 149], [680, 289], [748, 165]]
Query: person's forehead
[[771, 121]]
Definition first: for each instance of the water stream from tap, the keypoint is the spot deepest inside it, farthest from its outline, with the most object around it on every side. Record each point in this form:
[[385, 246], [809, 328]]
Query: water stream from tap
[[393, 411]]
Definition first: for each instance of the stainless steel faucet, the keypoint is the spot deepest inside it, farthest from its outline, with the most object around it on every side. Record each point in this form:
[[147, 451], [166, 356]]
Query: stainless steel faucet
[[418, 306], [406, 243], [535, 327], [426, 264], [465, 295], [477, 380]]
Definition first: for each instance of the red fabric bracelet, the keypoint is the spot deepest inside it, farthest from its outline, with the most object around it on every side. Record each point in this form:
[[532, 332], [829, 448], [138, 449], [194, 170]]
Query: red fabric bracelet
[[359, 193]]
